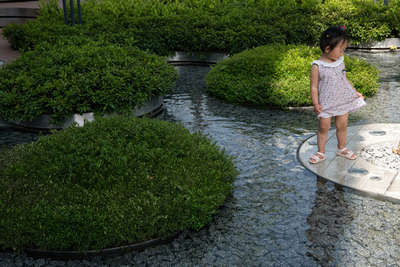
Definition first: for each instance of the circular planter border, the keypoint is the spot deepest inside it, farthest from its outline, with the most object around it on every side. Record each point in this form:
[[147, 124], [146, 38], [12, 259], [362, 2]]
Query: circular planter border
[[107, 252], [379, 46], [303, 108], [196, 58], [43, 123]]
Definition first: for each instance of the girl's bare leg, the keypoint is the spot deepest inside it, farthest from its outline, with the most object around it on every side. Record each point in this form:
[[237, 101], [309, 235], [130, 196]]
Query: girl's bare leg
[[322, 136], [341, 130]]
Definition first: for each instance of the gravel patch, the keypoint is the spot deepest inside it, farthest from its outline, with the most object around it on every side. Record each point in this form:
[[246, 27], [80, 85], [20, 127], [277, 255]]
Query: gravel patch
[[381, 155]]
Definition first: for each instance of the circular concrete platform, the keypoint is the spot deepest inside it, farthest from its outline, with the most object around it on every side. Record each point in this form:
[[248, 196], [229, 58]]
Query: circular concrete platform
[[359, 174]]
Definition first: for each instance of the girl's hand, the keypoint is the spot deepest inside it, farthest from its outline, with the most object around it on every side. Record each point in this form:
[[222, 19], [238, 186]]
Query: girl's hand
[[359, 95], [317, 108]]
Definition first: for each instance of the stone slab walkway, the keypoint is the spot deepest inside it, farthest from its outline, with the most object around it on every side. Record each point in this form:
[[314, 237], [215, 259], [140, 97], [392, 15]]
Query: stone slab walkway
[[359, 174], [7, 54]]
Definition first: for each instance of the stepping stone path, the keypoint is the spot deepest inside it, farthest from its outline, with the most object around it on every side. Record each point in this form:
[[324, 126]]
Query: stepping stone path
[[376, 171]]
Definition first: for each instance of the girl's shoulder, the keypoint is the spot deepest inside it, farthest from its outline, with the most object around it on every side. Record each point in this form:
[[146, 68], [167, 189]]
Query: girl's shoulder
[[334, 64]]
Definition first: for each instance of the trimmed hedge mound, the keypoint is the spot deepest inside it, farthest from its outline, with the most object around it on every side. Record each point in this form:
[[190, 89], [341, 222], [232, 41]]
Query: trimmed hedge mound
[[87, 76], [213, 25], [279, 76], [165, 26], [115, 181]]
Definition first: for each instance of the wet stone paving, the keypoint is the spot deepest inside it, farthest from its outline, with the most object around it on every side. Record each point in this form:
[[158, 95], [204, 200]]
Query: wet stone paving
[[280, 214]]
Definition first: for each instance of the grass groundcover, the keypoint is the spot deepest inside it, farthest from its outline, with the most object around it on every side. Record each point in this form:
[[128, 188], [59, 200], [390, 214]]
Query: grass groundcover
[[115, 181]]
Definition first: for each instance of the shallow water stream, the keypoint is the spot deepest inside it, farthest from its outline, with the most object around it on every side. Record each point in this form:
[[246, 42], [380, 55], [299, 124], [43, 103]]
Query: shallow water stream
[[280, 214]]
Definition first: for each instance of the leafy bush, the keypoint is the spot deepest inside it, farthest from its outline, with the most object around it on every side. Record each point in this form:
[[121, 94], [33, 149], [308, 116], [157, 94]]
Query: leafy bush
[[365, 20], [362, 75], [49, 26], [279, 76], [393, 16], [115, 181], [220, 25], [212, 25], [87, 76]]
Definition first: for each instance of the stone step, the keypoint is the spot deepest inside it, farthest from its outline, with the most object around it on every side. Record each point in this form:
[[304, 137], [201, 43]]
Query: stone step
[[17, 12], [19, 4], [17, 15]]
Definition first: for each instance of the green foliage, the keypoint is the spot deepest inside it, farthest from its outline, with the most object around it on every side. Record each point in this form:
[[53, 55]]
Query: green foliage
[[48, 27], [365, 20], [279, 76], [215, 25], [212, 25], [15, 35], [84, 76], [362, 75], [115, 181], [393, 16]]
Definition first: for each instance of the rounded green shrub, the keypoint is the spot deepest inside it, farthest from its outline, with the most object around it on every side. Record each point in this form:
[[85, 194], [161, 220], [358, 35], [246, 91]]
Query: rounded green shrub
[[115, 181], [279, 76], [80, 77]]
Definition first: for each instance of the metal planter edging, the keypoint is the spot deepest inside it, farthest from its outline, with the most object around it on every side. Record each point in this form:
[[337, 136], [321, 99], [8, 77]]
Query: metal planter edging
[[151, 108], [107, 252], [386, 45], [181, 58]]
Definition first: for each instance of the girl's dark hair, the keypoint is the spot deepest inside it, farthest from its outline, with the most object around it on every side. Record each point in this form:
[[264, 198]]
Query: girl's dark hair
[[332, 37]]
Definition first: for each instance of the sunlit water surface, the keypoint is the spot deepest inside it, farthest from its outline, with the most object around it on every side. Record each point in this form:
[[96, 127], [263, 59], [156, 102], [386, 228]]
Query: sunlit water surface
[[280, 214]]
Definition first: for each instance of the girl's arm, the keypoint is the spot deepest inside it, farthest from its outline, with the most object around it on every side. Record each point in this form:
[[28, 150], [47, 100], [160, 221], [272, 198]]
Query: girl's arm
[[314, 79]]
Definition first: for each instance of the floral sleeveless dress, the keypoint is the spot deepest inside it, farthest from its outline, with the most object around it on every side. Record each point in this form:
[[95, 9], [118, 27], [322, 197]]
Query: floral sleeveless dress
[[335, 93]]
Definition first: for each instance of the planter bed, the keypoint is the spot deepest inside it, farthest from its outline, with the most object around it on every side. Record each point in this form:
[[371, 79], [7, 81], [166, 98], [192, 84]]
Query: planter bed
[[114, 185], [42, 88]]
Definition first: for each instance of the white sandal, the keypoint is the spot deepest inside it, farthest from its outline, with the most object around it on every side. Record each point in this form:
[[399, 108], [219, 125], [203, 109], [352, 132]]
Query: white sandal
[[317, 158], [346, 153]]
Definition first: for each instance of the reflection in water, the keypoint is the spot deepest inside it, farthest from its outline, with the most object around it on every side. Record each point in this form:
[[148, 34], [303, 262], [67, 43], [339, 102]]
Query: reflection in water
[[384, 106], [9, 138], [275, 196], [329, 216]]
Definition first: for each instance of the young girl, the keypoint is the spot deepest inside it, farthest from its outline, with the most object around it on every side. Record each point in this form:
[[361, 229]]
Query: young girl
[[332, 94]]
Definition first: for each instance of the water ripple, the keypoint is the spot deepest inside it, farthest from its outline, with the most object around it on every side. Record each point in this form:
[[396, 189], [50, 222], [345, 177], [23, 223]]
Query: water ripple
[[279, 214]]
